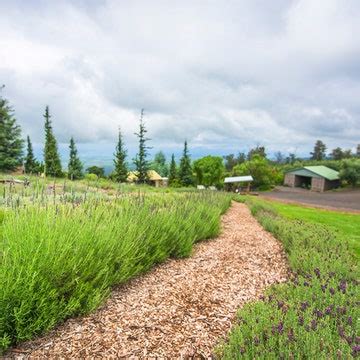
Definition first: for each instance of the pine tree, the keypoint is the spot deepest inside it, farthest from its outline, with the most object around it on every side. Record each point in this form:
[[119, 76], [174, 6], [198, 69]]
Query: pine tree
[[121, 171], [185, 171], [52, 163], [141, 164], [11, 144], [319, 152], [358, 151], [31, 165], [172, 171], [75, 167]]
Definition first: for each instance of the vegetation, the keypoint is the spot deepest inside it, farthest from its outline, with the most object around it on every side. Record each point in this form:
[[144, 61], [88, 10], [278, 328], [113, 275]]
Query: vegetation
[[52, 163], [315, 314], [31, 165], [120, 173], [59, 260], [11, 144], [75, 167], [350, 171], [159, 164], [319, 152], [185, 170], [209, 170], [173, 178], [141, 162], [96, 170]]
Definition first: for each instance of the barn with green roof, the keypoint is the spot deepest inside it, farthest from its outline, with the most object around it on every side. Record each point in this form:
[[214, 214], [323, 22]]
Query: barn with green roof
[[315, 178]]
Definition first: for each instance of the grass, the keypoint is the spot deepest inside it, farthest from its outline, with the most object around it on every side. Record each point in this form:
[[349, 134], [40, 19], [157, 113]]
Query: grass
[[316, 314], [60, 254]]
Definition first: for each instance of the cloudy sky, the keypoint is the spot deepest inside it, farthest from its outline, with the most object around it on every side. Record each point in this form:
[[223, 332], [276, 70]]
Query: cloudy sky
[[225, 75]]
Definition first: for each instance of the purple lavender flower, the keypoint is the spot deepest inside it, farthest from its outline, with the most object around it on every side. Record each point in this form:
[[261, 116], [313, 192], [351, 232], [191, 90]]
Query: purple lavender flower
[[318, 313], [313, 324], [341, 310], [301, 320], [342, 286], [355, 350], [332, 291], [323, 288], [328, 310], [290, 335], [280, 304], [306, 283], [280, 327], [304, 306], [341, 331], [317, 272], [349, 339]]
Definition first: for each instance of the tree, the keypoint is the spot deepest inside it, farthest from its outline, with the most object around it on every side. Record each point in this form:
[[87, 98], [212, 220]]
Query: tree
[[209, 170], [185, 171], [121, 171], [140, 161], [258, 150], [279, 157], [159, 164], [52, 161], [230, 161], [291, 158], [259, 168], [319, 152], [31, 165], [350, 171], [75, 167], [358, 151], [11, 144], [337, 154], [98, 171], [173, 179]]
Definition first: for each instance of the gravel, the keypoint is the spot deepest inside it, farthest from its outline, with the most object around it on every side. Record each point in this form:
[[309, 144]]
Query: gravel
[[180, 309]]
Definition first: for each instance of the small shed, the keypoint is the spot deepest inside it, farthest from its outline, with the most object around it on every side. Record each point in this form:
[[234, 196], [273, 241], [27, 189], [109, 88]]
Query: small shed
[[316, 178], [236, 181]]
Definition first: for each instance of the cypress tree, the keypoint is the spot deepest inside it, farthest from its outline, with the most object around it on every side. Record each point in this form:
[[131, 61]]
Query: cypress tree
[[121, 171], [140, 161], [11, 144], [185, 171], [52, 163], [172, 171], [75, 167], [31, 165]]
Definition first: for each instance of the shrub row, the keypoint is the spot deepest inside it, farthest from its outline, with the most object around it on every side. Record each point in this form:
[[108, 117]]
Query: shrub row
[[61, 260], [314, 315]]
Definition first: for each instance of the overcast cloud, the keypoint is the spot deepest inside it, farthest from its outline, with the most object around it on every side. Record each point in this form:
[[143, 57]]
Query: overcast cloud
[[226, 75]]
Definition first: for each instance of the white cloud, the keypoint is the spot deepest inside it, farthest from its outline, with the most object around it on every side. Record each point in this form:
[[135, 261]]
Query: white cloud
[[225, 76]]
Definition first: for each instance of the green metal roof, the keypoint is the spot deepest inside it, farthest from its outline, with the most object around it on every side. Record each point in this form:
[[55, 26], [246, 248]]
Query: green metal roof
[[322, 171]]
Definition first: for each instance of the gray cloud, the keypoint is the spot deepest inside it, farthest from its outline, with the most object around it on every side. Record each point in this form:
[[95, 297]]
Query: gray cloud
[[224, 76]]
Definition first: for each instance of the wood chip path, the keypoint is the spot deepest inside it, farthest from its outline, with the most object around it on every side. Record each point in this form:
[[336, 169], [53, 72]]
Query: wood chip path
[[180, 309]]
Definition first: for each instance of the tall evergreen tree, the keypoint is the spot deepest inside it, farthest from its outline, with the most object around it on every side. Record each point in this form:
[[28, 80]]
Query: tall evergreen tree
[[11, 144], [185, 171], [31, 165], [319, 152], [121, 170], [141, 163], [75, 167], [358, 151], [172, 171], [52, 163]]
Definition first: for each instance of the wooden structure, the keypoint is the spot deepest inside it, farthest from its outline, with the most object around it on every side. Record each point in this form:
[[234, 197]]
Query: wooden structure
[[314, 178], [234, 183], [154, 178]]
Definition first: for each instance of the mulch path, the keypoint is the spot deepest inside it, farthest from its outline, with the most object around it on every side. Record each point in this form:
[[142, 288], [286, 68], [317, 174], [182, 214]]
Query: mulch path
[[180, 309]]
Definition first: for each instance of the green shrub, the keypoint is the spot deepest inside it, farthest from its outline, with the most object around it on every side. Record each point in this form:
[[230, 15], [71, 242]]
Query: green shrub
[[315, 314]]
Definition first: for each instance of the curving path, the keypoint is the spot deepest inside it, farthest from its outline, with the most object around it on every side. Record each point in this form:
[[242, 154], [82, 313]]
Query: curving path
[[181, 308]]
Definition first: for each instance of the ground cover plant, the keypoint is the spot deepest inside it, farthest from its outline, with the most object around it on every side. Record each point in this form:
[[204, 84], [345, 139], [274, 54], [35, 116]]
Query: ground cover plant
[[316, 314], [60, 255]]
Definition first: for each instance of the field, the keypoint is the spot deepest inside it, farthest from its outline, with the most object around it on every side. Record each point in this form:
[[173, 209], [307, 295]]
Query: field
[[316, 315], [63, 247]]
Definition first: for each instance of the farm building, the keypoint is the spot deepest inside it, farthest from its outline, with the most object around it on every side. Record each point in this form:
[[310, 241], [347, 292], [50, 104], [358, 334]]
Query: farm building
[[315, 178], [154, 178], [236, 181]]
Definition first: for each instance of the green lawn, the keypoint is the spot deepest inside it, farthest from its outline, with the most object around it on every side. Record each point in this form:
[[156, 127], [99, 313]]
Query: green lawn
[[346, 225]]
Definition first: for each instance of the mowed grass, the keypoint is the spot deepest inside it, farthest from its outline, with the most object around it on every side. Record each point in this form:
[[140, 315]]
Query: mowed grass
[[345, 225], [60, 259], [315, 315]]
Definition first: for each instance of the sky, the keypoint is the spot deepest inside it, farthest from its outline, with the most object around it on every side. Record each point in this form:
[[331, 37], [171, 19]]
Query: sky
[[225, 75]]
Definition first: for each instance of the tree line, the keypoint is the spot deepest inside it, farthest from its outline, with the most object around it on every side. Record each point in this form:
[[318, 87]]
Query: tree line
[[12, 154]]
